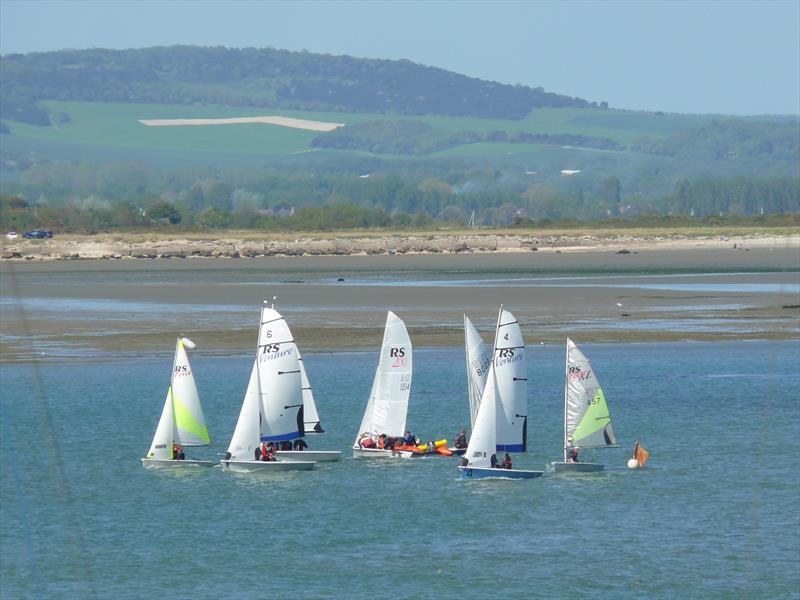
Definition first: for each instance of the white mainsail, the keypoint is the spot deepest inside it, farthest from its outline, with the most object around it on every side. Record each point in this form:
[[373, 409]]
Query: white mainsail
[[482, 442], [246, 436], [387, 407], [587, 421], [512, 384], [279, 379], [479, 358], [311, 422], [182, 421]]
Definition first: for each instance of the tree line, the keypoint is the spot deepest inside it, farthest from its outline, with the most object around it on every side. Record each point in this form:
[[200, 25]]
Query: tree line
[[391, 202], [417, 138]]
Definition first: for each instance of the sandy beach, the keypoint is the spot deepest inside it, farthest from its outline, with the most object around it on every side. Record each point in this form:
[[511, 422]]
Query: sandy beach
[[654, 291]]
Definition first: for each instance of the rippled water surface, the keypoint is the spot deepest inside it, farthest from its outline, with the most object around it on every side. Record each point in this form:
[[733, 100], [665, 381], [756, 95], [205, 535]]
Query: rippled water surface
[[716, 513]]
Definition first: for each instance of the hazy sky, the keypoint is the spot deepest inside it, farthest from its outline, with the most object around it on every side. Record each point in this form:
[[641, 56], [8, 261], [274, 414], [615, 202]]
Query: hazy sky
[[676, 56]]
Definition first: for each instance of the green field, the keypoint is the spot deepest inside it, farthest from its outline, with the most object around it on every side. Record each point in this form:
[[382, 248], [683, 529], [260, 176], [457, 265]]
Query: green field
[[111, 132]]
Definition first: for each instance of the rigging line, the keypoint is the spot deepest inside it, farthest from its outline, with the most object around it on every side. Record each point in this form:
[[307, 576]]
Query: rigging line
[[22, 506], [72, 530]]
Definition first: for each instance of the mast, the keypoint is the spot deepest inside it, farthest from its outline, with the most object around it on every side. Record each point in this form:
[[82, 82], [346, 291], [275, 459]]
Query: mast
[[171, 395], [566, 382], [469, 373]]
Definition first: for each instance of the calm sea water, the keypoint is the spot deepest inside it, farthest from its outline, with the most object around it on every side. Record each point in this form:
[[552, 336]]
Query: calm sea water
[[716, 513]]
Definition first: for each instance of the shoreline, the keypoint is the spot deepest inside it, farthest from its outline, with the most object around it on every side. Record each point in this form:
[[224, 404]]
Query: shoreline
[[119, 247]]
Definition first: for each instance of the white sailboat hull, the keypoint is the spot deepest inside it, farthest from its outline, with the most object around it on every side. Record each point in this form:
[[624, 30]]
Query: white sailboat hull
[[488, 472], [576, 467], [165, 463], [380, 453], [259, 466], [315, 455]]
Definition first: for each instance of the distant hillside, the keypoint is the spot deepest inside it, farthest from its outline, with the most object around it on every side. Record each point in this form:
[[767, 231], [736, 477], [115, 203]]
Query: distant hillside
[[265, 77]]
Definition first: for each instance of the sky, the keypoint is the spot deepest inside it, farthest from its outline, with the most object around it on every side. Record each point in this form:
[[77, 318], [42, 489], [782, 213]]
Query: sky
[[720, 57]]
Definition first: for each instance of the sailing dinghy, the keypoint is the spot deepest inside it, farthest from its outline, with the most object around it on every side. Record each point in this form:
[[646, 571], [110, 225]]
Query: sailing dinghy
[[276, 373], [182, 422], [387, 406], [477, 462], [587, 421], [286, 393]]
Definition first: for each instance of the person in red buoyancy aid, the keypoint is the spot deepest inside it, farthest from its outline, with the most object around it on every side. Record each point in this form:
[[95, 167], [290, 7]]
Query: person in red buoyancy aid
[[177, 452], [264, 451], [506, 464], [382, 441]]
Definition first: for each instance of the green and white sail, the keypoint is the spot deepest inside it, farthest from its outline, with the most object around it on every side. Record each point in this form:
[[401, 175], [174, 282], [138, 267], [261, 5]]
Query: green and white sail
[[587, 420], [190, 424], [182, 421]]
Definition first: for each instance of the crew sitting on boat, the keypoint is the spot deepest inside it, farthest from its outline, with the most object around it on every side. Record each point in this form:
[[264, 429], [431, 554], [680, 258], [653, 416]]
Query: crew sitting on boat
[[461, 439], [573, 456], [366, 441], [409, 440], [266, 452], [300, 444], [177, 452], [286, 445], [506, 464], [494, 461]]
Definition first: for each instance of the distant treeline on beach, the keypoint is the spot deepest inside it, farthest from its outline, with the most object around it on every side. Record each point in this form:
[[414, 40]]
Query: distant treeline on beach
[[158, 214]]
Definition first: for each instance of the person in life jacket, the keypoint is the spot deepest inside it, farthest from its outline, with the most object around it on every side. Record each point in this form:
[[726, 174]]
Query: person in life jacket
[[264, 451], [461, 439], [382, 441], [506, 464], [366, 441], [300, 444], [409, 440], [573, 455], [493, 462], [177, 452]]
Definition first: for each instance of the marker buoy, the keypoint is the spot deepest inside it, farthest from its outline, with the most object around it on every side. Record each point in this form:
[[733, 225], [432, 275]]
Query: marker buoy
[[633, 463]]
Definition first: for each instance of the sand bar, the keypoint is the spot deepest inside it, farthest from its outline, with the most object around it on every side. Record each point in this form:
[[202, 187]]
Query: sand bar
[[85, 308]]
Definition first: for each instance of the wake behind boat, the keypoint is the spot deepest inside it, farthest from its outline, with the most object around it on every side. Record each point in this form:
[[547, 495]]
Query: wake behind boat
[[387, 407], [587, 421], [275, 372], [182, 422]]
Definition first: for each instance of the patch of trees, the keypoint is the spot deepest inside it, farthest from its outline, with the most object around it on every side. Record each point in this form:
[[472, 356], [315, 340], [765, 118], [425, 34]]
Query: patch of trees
[[729, 141], [418, 138], [262, 77], [737, 196]]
